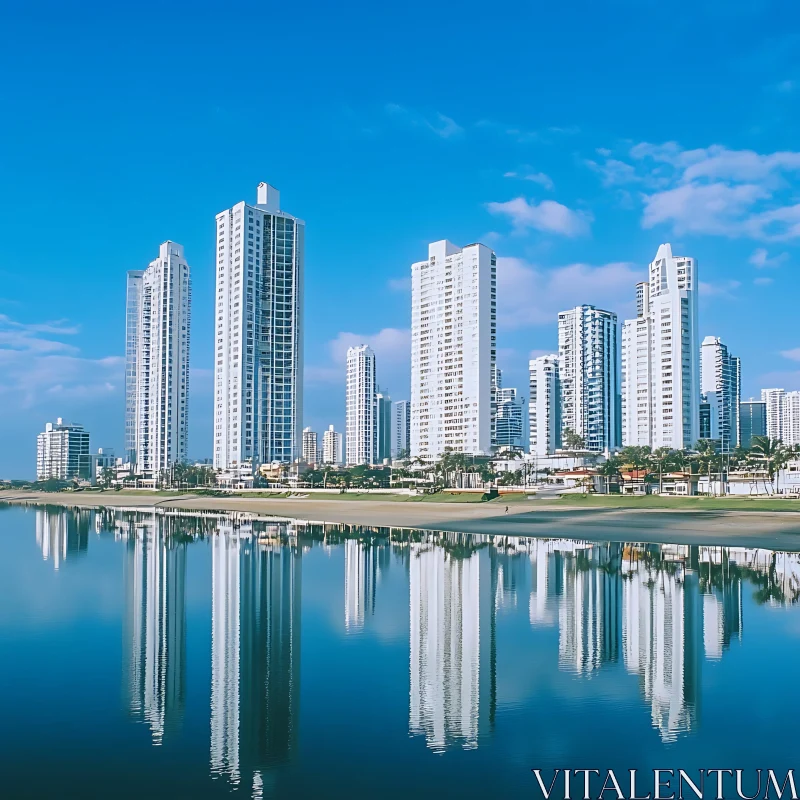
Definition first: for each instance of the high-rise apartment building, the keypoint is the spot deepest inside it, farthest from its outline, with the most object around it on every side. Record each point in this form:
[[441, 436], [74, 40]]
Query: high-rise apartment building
[[383, 425], [258, 370], [589, 373], [401, 428], [774, 398], [310, 448], [791, 418], [720, 392], [544, 406], [660, 357], [133, 297], [361, 424], [158, 320], [62, 452], [753, 420], [331, 446], [453, 350], [508, 418]]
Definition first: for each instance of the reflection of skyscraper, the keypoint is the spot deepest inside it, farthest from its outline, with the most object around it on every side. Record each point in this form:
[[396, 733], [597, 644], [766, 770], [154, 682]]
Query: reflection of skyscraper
[[364, 562], [590, 616], [662, 627], [155, 635], [452, 663], [61, 534], [255, 653]]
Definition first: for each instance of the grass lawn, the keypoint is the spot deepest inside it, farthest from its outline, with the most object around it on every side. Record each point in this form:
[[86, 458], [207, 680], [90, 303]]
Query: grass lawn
[[684, 503]]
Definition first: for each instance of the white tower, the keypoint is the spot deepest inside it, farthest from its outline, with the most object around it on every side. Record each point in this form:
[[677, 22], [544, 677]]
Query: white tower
[[258, 374], [361, 413], [660, 357], [544, 408], [453, 350], [159, 315], [587, 349]]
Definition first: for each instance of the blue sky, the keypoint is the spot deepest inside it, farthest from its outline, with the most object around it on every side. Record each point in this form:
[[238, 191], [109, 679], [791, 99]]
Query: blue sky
[[573, 138]]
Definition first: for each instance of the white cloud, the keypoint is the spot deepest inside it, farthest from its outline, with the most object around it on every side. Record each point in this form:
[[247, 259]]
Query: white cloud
[[613, 172], [719, 289], [392, 348], [762, 281], [715, 208], [760, 259], [529, 295], [400, 284], [34, 367], [715, 190], [792, 355], [444, 127], [548, 216], [535, 177]]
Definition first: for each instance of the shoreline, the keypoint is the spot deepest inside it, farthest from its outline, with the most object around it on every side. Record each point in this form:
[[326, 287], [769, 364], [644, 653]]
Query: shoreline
[[773, 530]]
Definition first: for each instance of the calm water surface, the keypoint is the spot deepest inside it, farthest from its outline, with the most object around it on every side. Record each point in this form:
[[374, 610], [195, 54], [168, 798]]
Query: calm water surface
[[162, 655]]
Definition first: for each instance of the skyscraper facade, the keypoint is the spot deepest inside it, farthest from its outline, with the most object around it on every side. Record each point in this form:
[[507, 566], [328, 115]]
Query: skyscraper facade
[[660, 357], [544, 406], [331, 446], [62, 452], [383, 425], [453, 350], [773, 399], [753, 421], [791, 418], [361, 423], [258, 371], [159, 300], [720, 390], [401, 428], [310, 448], [508, 418], [133, 297], [589, 373]]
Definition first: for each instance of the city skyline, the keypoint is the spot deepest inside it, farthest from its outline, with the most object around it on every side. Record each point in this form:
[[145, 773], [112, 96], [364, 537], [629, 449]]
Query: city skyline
[[571, 186]]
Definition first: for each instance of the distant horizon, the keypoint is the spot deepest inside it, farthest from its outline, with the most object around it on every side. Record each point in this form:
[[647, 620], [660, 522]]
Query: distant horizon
[[565, 142]]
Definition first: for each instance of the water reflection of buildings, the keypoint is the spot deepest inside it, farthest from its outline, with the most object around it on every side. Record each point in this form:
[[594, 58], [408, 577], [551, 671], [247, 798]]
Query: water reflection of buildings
[[155, 633], [61, 534], [364, 564], [453, 588], [255, 653]]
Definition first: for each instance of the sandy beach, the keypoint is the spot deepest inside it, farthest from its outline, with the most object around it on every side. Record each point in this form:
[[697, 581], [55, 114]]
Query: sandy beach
[[773, 530]]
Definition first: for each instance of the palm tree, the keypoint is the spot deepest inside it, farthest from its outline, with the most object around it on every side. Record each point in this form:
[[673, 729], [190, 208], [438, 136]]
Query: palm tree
[[771, 452], [609, 469]]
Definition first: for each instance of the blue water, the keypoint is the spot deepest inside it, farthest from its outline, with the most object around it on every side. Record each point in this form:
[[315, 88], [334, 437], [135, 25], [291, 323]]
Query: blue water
[[158, 655]]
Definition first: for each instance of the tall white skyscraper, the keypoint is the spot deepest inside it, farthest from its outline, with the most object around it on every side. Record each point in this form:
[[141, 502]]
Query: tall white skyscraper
[[157, 382], [258, 374], [660, 357], [310, 448], [453, 350], [720, 389], [133, 298], [361, 428], [544, 407], [588, 364], [331, 446], [401, 427], [774, 398]]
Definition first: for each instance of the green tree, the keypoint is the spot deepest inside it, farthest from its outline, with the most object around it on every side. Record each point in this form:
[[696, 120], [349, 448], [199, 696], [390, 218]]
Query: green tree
[[573, 440]]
